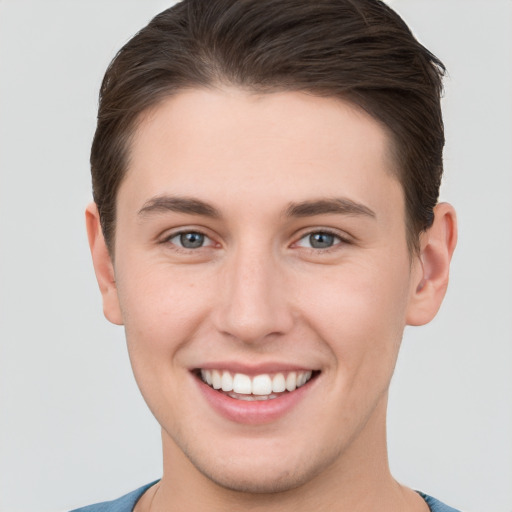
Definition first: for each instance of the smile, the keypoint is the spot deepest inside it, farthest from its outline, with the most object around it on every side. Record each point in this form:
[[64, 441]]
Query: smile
[[260, 387]]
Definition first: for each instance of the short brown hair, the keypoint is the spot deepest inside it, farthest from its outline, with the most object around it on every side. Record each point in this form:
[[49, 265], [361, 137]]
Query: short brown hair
[[357, 50]]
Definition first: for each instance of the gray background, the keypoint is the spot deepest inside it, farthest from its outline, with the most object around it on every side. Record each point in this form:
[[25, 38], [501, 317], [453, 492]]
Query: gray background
[[73, 428]]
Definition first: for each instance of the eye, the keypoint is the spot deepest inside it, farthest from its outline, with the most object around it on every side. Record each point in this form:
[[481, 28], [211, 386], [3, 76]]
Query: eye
[[319, 240], [190, 240]]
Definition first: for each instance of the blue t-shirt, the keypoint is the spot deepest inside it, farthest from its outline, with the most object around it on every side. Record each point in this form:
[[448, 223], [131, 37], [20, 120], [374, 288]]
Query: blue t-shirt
[[127, 503]]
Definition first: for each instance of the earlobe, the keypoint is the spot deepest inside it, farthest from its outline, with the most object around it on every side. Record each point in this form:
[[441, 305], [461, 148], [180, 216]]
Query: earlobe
[[103, 266], [433, 266]]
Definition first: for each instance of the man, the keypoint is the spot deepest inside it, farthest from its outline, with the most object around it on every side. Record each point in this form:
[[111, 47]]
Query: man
[[265, 224]]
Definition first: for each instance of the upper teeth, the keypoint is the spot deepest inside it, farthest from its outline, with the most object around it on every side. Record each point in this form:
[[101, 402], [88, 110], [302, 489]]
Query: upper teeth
[[263, 384]]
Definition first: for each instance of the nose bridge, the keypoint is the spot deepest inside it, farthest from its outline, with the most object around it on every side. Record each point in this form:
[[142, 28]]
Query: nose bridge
[[254, 303]]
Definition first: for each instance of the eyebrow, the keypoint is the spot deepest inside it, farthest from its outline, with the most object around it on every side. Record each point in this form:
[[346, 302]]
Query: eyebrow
[[309, 208], [179, 204], [342, 206]]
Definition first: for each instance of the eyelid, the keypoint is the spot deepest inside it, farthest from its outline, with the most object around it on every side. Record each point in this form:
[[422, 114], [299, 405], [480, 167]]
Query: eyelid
[[169, 235], [342, 238]]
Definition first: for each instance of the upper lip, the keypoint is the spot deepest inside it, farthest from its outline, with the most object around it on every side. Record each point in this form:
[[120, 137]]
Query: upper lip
[[253, 369]]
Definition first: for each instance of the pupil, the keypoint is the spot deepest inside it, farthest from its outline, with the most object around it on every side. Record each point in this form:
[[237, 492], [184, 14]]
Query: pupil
[[191, 240], [321, 240]]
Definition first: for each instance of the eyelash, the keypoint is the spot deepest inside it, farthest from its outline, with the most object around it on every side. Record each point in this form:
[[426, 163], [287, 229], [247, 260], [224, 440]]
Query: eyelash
[[338, 240], [178, 247]]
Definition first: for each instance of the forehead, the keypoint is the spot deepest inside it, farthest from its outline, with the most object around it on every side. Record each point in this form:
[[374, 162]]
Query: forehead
[[281, 146]]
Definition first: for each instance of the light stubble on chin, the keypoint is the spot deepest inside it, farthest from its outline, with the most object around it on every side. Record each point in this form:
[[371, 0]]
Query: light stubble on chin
[[265, 481]]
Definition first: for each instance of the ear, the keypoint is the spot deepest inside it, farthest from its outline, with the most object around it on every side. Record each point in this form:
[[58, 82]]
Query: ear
[[432, 266], [103, 266]]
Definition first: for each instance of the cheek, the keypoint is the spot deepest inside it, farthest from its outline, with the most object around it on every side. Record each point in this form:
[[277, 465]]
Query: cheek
[[161, 305], [360, 311], [163, 310]]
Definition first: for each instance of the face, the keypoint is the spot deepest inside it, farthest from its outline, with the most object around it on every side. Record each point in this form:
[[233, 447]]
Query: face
[[261, 249]]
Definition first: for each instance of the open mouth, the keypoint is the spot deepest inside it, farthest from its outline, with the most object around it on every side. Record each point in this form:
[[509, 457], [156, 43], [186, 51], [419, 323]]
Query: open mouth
[[265, 386]]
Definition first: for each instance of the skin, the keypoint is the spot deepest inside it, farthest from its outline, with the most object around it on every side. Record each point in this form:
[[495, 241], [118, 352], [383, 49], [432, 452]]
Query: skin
[[257, 292]]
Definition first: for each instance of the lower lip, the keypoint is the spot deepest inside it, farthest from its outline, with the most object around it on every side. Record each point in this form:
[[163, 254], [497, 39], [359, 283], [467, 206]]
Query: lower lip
[[253, 412]]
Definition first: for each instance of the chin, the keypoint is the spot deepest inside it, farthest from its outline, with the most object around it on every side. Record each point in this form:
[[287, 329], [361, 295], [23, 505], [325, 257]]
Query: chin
[[262, 475], [257, 482]]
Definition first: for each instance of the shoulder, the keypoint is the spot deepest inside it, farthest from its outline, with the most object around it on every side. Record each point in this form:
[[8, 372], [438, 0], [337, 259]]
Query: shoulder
[[436, 505], [125, 503]]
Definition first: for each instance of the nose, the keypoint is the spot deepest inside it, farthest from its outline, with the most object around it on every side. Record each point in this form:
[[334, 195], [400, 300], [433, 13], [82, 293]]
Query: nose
[[254, 301]]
